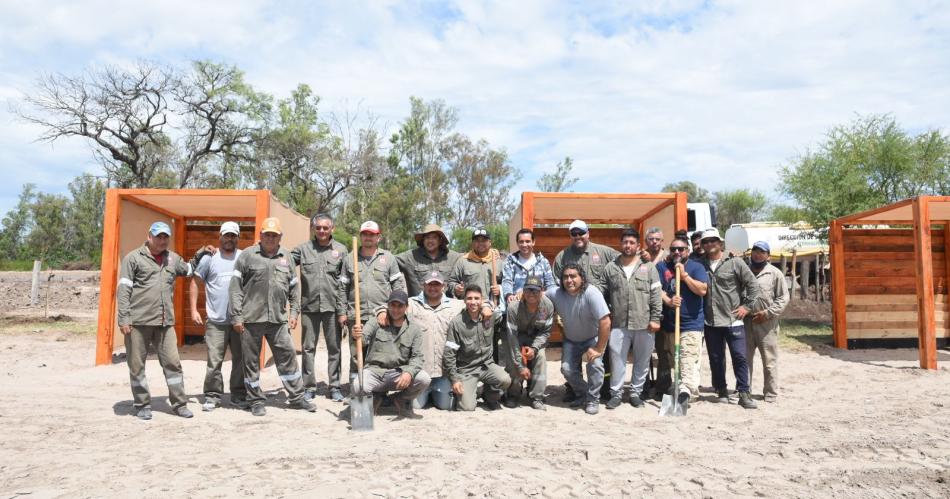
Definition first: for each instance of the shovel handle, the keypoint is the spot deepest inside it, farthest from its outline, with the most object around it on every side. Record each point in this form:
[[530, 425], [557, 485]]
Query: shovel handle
[[356, 289]]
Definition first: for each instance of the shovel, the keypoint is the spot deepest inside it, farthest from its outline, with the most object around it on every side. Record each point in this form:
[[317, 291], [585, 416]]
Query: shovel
[[670, 405], [361, 405]]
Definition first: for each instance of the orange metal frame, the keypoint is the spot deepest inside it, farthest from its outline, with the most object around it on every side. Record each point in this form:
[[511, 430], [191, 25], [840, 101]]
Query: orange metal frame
[[677, 199]]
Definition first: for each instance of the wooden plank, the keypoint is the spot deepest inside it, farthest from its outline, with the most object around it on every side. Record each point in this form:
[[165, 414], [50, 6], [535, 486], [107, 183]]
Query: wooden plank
[[680, 207], [882, 333], [883, 325], [600, 195], [838, 288], [527, 210], [878, 255], [181, 231], [146, 204], [630, 222], [903, 307], [867, 215], [887, 272], [925, 283], [108, 279], [887, 280], [882, 299], [888, 315]]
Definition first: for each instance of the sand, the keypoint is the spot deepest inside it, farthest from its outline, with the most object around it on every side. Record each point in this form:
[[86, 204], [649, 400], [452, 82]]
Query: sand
[[855, 424]]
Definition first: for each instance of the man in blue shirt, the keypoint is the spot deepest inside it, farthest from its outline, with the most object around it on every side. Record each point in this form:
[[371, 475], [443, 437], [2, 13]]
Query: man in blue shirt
[[693, 286]]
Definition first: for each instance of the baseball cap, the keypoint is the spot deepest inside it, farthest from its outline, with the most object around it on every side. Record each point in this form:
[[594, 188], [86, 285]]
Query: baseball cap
[[271, 225], [230, 228], [711, 233], [532, 283], [370, 226], [434, 276], [480, 233], [579, 225], [160, 228], [762, 245], [398, 295]]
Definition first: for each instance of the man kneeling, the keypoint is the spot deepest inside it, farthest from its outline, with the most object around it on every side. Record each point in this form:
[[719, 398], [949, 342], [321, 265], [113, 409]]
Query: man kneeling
[[393, 355], [468, 354]]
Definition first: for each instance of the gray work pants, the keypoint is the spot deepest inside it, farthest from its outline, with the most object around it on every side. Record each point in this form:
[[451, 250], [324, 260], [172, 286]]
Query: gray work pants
[[536, 384], [495, 379], [311, 324], [219, 338], [166, 343], [285, 359], [385, 382], [766, 342], [621, 342]]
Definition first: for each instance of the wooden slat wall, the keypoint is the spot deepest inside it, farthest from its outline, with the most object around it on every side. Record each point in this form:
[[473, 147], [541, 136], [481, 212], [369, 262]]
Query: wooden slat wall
[[551, 240], [880, 283]]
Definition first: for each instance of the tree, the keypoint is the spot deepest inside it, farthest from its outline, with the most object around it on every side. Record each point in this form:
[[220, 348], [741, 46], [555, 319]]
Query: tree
[[16, 225], [481, 181], [738, 206], [47, 239], [84, 218], [560, 180], [694, 193], [865, 164], [788, 214]]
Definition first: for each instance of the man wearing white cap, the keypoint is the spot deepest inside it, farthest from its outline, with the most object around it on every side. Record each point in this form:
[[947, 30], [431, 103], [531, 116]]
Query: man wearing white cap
[[146, 315], [761, 326], [591, 257], [214, 272]]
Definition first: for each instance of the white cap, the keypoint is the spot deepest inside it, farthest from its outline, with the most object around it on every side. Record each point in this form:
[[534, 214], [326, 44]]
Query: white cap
[[231, 228], [578, 224], [370, 226], [711, 233]]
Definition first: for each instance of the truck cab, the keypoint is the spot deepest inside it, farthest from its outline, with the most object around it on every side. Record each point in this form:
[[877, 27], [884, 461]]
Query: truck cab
[[699, 217]]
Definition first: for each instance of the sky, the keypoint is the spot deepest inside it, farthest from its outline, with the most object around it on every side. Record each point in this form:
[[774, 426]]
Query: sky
[[638, 93]]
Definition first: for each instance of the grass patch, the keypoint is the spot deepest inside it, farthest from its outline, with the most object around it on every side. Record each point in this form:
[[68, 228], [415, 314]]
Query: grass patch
[[799, 334], [14, 324]]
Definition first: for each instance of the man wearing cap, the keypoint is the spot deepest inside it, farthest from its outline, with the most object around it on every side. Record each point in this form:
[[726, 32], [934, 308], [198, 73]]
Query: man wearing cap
[[394, 357], [262, 283], [653, 250], [476, 267], [730, 297], [761, 325], [321, 261], [467, 359], [632, 290], [530, 318], [379, 276], [591, 257], [215, 271], [523, 264], [431, 254], [432, 311], [146, 316]]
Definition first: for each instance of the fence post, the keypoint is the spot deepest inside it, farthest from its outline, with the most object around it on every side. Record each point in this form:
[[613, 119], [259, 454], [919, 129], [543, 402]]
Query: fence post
[[35, 290]]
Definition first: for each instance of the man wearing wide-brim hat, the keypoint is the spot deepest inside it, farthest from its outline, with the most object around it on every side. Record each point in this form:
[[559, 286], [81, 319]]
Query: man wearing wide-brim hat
[[432, 254]]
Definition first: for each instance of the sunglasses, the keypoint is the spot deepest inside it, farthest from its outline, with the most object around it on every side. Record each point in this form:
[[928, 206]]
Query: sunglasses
[[708, 241], [679, 248], [578, 233]]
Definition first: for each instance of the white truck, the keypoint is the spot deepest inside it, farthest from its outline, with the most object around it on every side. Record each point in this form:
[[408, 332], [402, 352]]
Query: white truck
[[699, 217]]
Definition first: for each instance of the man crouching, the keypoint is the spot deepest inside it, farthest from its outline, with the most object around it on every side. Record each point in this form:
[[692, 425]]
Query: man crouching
[[393, 359]]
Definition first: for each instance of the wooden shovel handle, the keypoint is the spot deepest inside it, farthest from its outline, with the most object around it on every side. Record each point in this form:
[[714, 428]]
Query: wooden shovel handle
[[356, 289]]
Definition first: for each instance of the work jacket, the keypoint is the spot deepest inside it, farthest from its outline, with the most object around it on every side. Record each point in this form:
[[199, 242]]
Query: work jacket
[[146, 291], [261, 287]]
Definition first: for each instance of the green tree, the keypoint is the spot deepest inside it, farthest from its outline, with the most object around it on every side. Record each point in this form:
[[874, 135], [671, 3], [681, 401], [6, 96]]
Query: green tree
[[481, 181], [84, 219], [16, 226], [47, 240], [694, 193], [787, 214], [738, 206], [560, 179]]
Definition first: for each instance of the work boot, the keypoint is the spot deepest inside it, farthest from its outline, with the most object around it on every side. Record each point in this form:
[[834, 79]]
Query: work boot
[[722, 396], [538, 405], [258, 410], [304, 405], [745, 401], [592, 408], [184, 412], [336, 395], [404, 409], [309, 393], [614, 402], [569, 395], [636, 402], [683, 401], [240, 404], [144, 413], [511, 403], [578, 402], [210, 404], [492, 405]]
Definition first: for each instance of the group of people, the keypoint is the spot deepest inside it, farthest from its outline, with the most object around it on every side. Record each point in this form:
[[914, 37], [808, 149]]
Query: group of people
[[437, 324]]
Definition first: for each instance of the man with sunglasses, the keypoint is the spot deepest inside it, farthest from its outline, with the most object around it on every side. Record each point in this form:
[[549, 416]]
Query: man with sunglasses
[[732, 292], [693, 287]]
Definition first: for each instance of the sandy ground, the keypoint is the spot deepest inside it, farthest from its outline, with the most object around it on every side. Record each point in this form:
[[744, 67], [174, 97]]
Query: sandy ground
[[855, 424]]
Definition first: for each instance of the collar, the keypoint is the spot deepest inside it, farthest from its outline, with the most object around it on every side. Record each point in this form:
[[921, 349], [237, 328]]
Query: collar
[[260, 251], [421, 299]]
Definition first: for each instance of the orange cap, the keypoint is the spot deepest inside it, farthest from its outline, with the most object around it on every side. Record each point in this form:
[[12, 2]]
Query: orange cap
[[271, 225]]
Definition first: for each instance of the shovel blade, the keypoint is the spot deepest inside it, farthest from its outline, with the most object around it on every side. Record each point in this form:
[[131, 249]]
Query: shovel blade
[[361, 413], [671, 407]]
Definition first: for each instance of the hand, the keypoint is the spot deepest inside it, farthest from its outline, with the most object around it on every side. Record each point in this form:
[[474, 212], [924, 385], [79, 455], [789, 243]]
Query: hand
[[645, 255], [196, 317], [511, 298], [357, 331], [525, 373], [210, 249], [126, 329], [487, 312], [382, 318], [519, 294], [238, 326], [496, 290], [527, 352], [681, 268], [759, 317], [292, 323], [593, 354], [741, 312], [403, 381], [341, 319], [676, 301], [457, 388], [653, 327], [459, 289]]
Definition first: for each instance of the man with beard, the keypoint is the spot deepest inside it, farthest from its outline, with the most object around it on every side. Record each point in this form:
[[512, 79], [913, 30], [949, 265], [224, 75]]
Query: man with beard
[[762, 324], [468, 355], [653, 251], [475, 267], [530, 319], [632, 290], [695, 240], [321, 261], [215, 273], [431, 254]]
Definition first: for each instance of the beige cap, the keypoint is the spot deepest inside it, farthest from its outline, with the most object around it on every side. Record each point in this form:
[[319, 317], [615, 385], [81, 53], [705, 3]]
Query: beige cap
[[271, 225]]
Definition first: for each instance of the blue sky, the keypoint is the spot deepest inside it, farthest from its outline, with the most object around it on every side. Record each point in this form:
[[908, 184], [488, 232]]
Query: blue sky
[[638, 93]]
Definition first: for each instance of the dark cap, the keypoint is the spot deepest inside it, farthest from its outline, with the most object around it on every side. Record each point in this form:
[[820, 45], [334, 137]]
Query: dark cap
[[398, 295], [480, 233], [532, 283]]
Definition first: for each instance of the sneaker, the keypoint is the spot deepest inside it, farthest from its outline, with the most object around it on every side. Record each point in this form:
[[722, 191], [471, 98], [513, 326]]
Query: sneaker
[[592, 408], [303, 405], [336, 395], [683, 401], [770, 399], [658, 396], [569, 395], [492, 405], [404, 409], [538, 405], [309, 394], [745, 401], [511, 403], [258, 410], [614, 402], [722, 396], [184, 412], [578, 402], [241, 404], [144, 413], [210, 405], [636, 402]]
